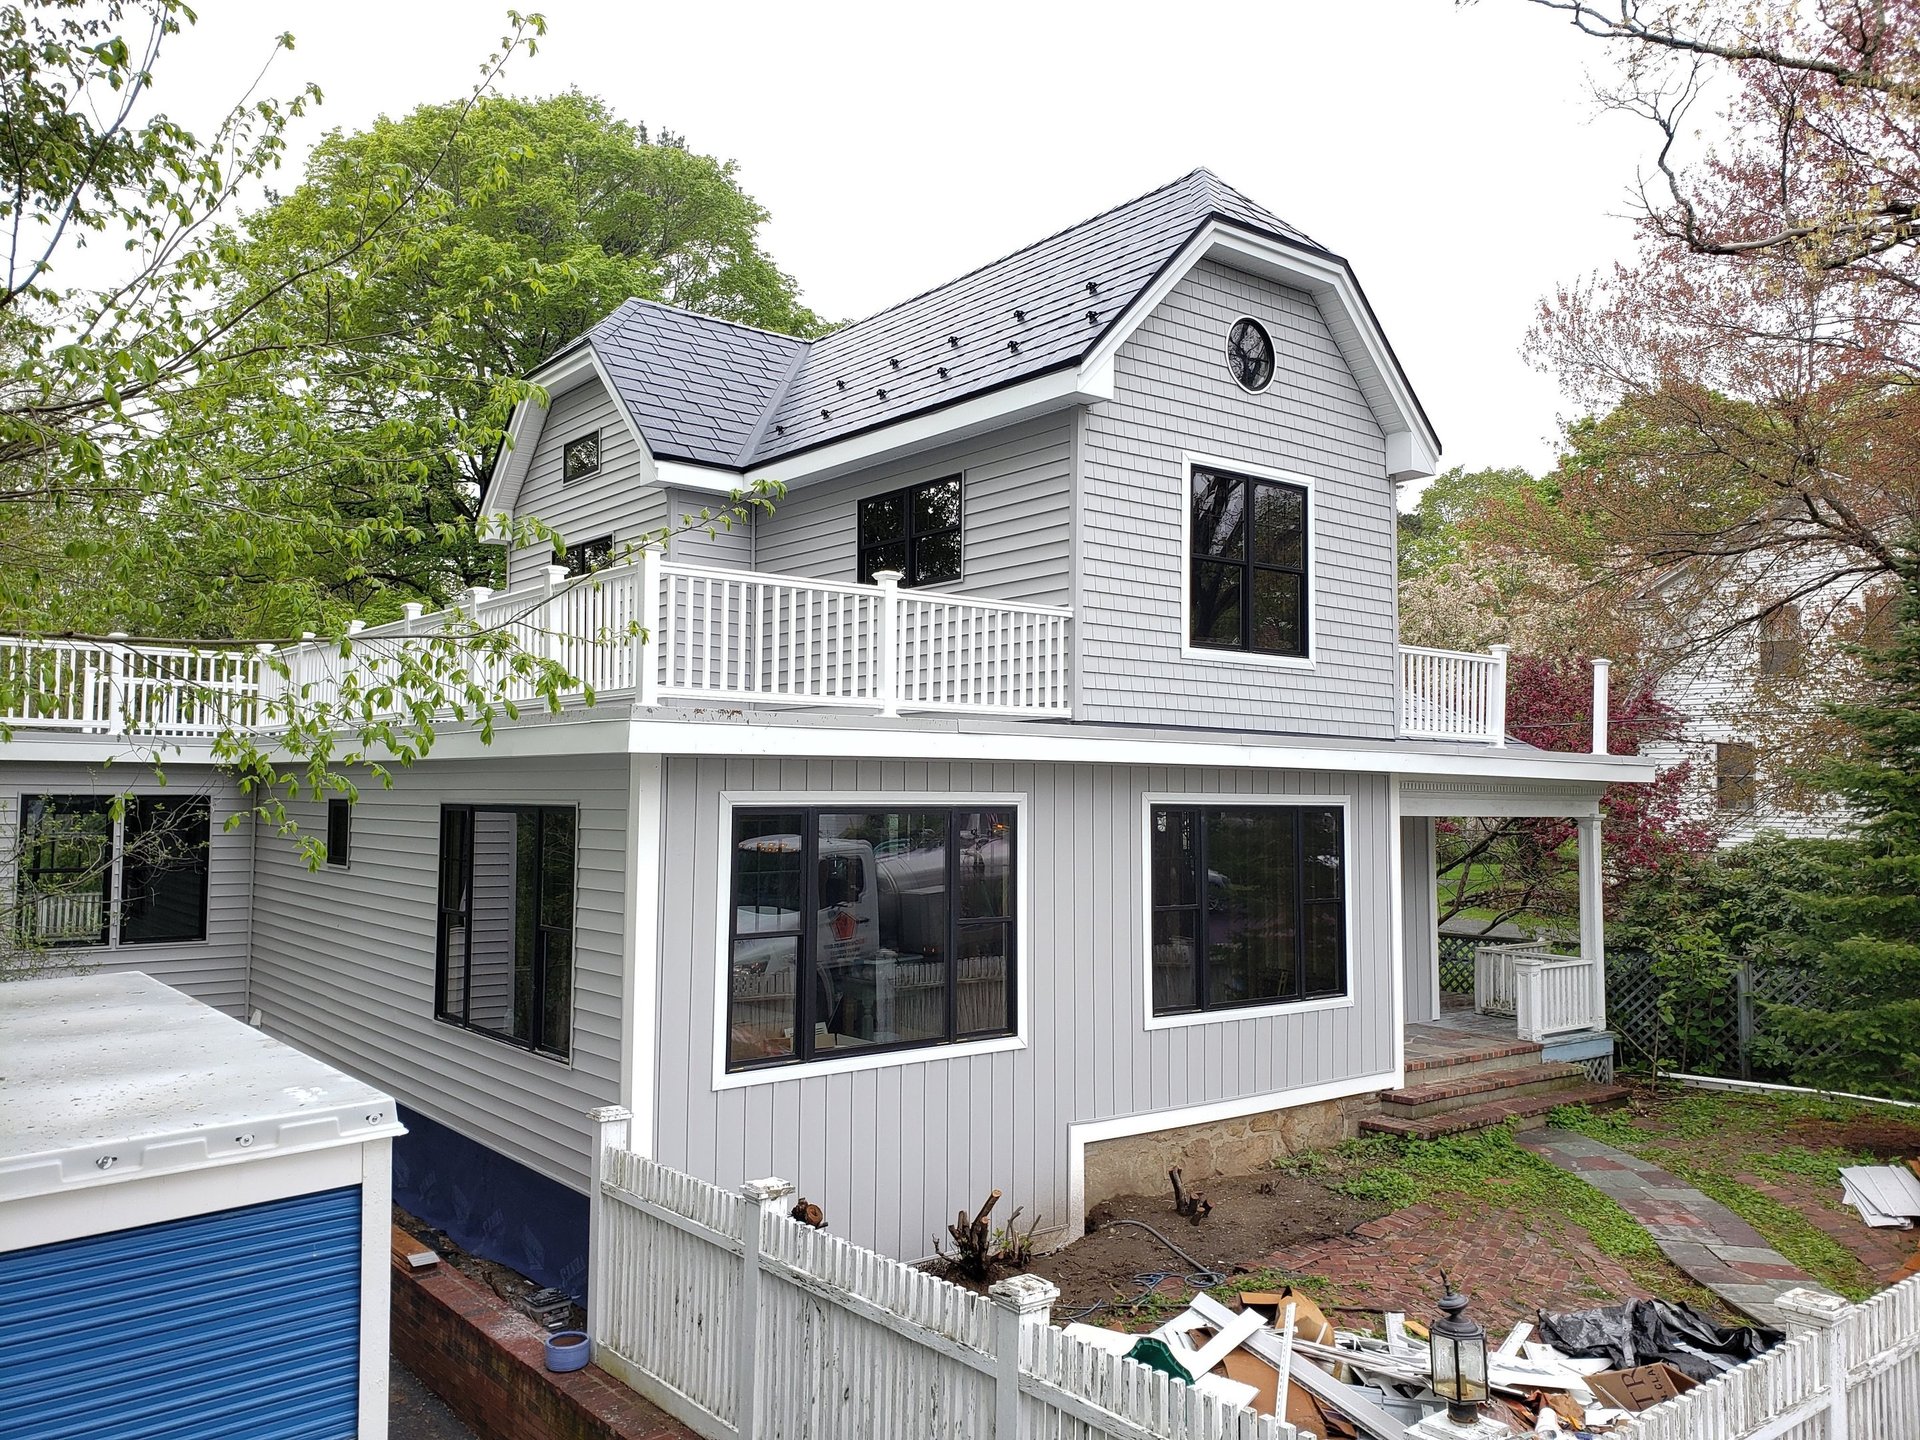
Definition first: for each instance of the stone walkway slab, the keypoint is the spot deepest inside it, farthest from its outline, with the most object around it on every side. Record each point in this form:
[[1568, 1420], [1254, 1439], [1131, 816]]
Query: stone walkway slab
[[1714, 1246]]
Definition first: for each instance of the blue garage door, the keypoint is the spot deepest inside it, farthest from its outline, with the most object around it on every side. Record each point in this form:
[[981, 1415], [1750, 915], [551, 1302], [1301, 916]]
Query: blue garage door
[[241, 1325]]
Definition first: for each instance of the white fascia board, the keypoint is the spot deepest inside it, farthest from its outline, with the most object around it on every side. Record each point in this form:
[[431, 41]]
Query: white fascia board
[[557, 377], [706, 479], [1044, 394], [1413, 450]]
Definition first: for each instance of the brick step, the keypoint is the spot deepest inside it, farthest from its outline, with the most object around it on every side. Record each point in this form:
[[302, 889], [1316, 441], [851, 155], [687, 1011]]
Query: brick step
[[1453, 1091], [1475, 1060], [1526, 1111]]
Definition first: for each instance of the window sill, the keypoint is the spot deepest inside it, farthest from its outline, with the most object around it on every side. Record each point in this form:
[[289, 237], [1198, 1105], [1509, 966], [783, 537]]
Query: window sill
[[503, 1042], [1248, 657], [885, 1059], [1246, 1012]]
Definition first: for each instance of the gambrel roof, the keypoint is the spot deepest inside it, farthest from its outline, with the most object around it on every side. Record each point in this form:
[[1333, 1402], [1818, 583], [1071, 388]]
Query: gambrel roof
[[712, 393]]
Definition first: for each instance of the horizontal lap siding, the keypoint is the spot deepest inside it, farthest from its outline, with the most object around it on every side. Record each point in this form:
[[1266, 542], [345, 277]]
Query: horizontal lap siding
[[1016, 507], [617, 501], [343, 960], [711, 542], [891, 1153], [1175, 395], [214, 970]]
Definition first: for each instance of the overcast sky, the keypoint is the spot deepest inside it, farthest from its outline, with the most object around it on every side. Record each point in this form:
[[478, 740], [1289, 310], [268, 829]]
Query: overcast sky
[[1453, 155]]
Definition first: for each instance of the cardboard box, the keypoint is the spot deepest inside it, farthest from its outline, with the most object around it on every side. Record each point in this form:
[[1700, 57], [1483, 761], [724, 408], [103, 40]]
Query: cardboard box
[[1642, 1387]]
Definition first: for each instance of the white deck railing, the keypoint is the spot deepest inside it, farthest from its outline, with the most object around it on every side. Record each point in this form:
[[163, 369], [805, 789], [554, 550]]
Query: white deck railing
[[652, 630], [741, 1322], [1547, 993], [1448, 695]]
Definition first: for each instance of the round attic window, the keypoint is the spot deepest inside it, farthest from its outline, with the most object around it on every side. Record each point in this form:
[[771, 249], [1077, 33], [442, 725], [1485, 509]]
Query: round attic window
[[1250, 355]]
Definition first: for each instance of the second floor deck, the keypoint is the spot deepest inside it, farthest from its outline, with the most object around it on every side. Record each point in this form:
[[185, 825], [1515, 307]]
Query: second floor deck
[[651, 633]]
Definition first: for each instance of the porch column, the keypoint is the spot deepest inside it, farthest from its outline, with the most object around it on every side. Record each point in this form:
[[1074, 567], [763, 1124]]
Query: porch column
[[1593, 942]]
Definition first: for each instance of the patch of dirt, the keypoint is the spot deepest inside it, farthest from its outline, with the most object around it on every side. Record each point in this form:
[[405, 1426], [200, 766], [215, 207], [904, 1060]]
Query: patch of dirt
[[509, 1284], [1253, 1216], [1876, 1134]]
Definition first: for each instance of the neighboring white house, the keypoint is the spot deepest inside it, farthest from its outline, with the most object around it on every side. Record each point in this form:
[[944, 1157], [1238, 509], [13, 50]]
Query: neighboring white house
[[1041, 780]]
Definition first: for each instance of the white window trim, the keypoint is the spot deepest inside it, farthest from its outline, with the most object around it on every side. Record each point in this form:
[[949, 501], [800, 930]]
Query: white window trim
[[1272, 375], [1217, 800], [893, 800], [1191, 459]]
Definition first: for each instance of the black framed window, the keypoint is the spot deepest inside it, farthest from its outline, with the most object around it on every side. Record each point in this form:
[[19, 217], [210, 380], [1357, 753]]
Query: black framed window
[[65, 876], [588, 556], [580, 457], [1248, 578], [1734, 765], [1249, 905], [339, 831], [163, 879], [504, 955], [857, 929], [915, 531]]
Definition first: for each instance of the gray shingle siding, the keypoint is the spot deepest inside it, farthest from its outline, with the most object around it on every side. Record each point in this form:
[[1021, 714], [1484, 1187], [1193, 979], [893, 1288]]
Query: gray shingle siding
[[1176, 396], [1016, 515], [616, 501]]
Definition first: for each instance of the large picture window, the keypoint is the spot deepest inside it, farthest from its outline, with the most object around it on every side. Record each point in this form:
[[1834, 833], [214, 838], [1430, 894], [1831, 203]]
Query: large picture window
[[1248, 579], [74, 847], [915, 531], [505, 952], [1248, 905], [859, 929]]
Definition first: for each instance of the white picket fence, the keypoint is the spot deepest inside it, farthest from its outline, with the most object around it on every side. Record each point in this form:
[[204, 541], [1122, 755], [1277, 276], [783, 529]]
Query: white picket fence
[[1847, 1372], [743, 1323]]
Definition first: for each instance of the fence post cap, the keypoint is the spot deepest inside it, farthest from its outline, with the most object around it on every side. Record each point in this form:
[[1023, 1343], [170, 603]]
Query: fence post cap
[[1024, 1294], [772, 1188], [887, 579], [1814, 1308], [609, 1114]]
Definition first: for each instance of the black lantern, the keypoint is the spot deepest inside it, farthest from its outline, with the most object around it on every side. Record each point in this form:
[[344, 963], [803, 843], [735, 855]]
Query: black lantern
[[1459, 1349]]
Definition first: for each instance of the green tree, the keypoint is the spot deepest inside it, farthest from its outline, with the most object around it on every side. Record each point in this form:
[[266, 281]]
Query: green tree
[[1435, 532], [1863, 922]]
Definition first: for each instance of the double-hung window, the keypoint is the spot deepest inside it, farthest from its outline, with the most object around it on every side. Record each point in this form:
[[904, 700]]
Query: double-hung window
[[857, 929], [505, 948], [915, 531], [1735, 765], [78, 852], [1247, 579], [1248, 905]]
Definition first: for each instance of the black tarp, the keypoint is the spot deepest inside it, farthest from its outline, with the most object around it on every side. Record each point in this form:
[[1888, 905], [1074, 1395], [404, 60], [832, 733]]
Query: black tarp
[[1639, 1332]]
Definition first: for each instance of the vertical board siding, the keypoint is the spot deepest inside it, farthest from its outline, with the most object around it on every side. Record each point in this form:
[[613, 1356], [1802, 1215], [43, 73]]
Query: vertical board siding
[[1175, 395], [1016, 508], [1419, 921], [214, 970], [343, 960], [892, 1152], [617, 501]]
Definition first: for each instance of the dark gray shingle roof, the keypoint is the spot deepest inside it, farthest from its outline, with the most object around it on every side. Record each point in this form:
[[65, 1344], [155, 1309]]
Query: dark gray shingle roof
[[722, 394]]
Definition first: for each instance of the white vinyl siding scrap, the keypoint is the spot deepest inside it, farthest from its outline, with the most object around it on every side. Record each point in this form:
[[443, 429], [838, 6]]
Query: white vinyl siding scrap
[[213, 970], [343, 960], [891, 1151], [1176, 397]]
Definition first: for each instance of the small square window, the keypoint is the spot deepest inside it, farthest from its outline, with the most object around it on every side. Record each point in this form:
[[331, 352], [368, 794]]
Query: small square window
[[339, 830], [580, 457], [915, 531]]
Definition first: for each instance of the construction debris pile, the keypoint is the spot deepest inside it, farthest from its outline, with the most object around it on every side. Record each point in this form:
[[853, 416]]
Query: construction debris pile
[[1576, 1374], [1887, 1196]]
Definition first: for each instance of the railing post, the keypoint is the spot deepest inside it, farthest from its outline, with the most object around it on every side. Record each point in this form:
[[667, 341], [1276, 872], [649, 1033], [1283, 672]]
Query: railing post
[[1601, 700], [1497, 696], [610, 1131], [1816, 1312], [1593, 920], [1021, 1302], [764, 1198], [1529, 978], [645, 657], [886, 682]]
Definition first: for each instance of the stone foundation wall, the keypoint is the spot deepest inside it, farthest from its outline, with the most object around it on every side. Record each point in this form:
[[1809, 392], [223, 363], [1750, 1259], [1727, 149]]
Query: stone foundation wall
[[1138, 1164]]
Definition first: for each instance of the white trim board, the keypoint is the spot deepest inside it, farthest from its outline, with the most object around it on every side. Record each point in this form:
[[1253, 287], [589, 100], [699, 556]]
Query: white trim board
[[1206, 654], [1215, 800], [557, 378], [1082, 1133], [1017, 801]]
